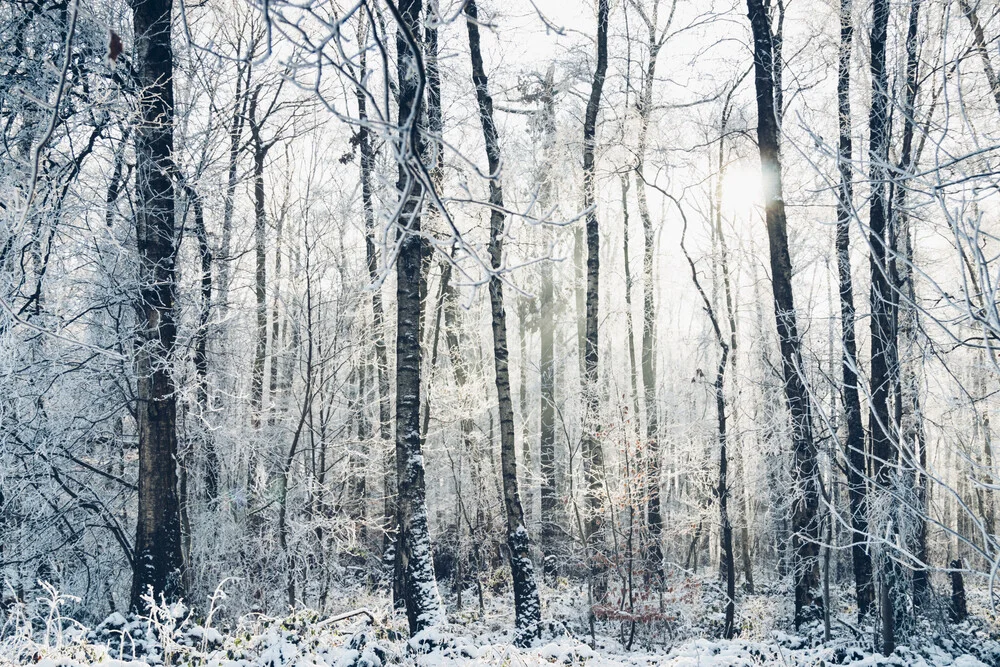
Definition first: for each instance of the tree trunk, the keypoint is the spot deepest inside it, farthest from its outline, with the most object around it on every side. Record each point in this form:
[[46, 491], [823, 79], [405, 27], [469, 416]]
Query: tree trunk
[[883, 334], [908, 415], [260, 288], [549, 518], [211, 475], [728, 561], [423, 603], [654, 513], [979, 42], [240, 101], [958, 609], [854, 446], [158, 557], [805, 506], [629, 328], [593, 455], [378, 317], [527, 609], [276, 333]]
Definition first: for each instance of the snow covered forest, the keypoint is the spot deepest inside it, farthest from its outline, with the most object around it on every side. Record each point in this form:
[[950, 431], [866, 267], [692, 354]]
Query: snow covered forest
[[608, 332]]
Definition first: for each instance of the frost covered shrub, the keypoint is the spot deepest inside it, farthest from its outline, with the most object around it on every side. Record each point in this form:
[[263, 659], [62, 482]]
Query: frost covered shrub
[[759, 616], [174, 635]]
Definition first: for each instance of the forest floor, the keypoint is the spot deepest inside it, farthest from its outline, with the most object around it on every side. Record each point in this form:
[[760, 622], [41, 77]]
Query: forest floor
[[686, 634]]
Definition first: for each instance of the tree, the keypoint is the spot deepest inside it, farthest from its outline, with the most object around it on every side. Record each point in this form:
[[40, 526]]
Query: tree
[[527, 609], [722, 486], [593, 455], [979, 44], [423, 604], [158, 558], [367, 151], [884, 453], [654, 517], [854, 444], [805, 506], [547, 358]]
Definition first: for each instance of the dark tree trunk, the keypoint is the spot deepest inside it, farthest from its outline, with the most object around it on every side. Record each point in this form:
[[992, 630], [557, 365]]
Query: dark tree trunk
[[805, 506], [854, 446], [423, 604], [909, 417], [240, 101], [358, 457], [260, 272], [527, 609], [276, 333], [593, 455], [883, 331], [958, 608], [158, 556]]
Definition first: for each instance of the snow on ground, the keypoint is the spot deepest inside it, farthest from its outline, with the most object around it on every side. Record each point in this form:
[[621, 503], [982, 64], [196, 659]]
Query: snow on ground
[[474, 637]]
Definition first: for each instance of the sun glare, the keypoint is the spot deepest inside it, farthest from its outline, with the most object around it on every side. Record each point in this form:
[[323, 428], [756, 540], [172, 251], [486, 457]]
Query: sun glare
[[741, 189]]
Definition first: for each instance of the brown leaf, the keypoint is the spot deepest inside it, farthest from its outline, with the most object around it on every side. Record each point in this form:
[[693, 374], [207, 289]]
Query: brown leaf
[[115, 46]]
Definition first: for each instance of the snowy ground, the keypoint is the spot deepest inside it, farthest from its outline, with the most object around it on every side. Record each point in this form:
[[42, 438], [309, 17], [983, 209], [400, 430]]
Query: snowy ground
[[682, 638]]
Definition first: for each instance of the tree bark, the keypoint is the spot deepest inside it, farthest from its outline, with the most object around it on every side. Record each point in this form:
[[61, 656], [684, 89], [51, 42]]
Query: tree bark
[[260, 272], [805, 506], [883, 332], [908, 414], [527, 609], [158, 554], [423, 603], [593, 455], [854, 445]]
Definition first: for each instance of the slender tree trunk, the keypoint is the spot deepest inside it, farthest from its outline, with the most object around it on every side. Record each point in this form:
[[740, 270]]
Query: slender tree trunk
[[423, 603], [883, 334], [260, 294], [549, 518], [654, 512], [276, 333], [908, 416], [378, 317], [359, 454], [805, 506], [158, 557], [727, 286], [979, 43], [593, 455], [580, 295], [456, 351], [854, 445], [524, 311], [728, 561], [240, 101], [527, 609], [629, 328], [201, 346]]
